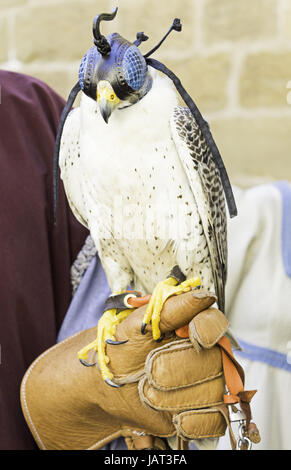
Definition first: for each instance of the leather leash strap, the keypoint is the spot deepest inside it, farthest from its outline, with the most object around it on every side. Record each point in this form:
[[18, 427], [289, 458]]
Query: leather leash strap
[[233, 372], [137, 302], [234, 379]]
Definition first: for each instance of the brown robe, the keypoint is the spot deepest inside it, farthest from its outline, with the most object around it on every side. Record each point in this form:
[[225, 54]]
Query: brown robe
[[36, 256]]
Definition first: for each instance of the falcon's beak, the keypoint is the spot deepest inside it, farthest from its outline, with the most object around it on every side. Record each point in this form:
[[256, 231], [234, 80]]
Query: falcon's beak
[[106, 109], [106, 99]]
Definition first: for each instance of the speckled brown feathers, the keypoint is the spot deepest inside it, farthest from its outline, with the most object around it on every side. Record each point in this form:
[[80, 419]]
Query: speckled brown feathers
[[215, 224]]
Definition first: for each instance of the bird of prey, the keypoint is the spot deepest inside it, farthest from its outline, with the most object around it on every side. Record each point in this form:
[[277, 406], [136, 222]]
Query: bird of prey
[[139, 173]]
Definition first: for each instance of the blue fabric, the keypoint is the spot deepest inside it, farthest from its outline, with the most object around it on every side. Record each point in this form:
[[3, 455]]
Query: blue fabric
[[88, 302], [285, 190], [265, 355]]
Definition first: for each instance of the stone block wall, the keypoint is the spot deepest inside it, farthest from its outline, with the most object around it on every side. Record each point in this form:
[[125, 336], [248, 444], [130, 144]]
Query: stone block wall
[[233, 56]]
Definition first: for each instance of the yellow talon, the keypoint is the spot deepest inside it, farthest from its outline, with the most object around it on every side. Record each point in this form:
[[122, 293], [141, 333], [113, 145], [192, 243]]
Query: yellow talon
[[83, 353], [106, 329], [161, 293]]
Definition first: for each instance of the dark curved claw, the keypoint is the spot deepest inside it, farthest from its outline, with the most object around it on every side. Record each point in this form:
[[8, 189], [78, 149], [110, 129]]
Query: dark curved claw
[[143, 328], [86, 364], [160, 338], [110, 341], [112, 384]]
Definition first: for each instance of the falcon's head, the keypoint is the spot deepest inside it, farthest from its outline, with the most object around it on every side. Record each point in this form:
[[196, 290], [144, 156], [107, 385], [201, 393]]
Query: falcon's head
[[113, 72]]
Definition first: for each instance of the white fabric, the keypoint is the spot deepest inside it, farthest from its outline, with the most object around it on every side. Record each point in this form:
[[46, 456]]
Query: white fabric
[[258, 307]]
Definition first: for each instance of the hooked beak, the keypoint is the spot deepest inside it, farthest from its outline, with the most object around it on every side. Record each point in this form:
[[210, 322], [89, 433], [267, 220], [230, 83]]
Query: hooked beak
[[106, 109]]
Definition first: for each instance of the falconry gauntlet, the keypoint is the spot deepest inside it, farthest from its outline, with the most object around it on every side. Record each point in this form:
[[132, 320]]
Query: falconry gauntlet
[[173, 391]]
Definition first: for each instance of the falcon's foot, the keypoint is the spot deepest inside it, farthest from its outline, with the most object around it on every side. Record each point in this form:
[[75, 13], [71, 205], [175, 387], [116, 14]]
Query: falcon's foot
[[105, 334], [161, 293]]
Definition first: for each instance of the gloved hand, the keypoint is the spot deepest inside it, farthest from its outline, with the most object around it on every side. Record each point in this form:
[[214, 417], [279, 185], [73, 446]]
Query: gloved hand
[[171, 388]]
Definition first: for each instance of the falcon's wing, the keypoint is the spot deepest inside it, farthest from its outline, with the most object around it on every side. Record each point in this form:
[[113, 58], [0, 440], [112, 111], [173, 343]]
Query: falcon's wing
[[70, 167], [205, 183]]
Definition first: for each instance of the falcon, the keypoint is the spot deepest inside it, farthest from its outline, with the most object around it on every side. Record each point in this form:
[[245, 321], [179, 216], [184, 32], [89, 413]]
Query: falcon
[[140, 173]]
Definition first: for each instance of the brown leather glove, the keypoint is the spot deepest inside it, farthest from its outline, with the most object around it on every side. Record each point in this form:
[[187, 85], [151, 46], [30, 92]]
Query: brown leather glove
[[171, 388]]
